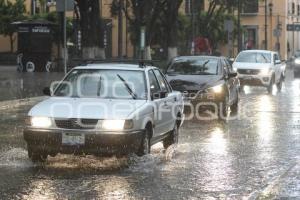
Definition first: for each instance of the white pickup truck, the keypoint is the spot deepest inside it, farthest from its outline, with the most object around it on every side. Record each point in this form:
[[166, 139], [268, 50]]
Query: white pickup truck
[[260, 68]]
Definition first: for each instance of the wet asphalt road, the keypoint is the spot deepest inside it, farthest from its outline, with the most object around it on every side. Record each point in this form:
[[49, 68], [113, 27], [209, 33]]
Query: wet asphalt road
[[253, 156]]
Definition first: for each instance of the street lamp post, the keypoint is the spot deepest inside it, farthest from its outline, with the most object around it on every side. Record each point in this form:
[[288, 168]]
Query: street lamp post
[[266, 24], [239, 26]]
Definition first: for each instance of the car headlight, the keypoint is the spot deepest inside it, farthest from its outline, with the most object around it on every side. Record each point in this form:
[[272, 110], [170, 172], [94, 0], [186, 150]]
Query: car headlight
[[116, 125], [264, 71], [297, 61], [41, 122], [217, 89]]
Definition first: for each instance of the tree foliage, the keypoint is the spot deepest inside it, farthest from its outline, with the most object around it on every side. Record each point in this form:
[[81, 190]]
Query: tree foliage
[[160, 17], [11, 11]]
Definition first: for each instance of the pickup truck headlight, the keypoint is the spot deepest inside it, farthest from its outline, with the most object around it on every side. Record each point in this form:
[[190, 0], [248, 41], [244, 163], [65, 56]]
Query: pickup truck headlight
[[40, 122], [297, 61], [116, 125], [265, 71]]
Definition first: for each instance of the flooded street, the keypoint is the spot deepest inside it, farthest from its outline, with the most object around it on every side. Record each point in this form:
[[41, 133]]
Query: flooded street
[[255, 156]]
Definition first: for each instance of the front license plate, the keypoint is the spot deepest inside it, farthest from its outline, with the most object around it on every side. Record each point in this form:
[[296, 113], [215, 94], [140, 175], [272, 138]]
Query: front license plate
[[247, 77], [73, 139]]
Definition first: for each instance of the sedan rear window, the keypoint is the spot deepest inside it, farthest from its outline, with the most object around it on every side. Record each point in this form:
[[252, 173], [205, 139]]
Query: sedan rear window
[[112, 84], [254, 57], [194, 66]]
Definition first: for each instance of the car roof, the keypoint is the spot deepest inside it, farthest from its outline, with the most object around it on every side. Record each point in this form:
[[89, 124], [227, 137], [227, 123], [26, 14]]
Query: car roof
[[259, 51], [195, 57], [115, 66]]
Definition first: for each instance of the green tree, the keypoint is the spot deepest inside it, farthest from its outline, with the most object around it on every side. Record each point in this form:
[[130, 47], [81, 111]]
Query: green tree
[[9, 13], [91, 28]]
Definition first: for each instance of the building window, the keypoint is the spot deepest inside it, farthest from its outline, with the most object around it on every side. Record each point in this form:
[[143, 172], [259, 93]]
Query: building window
[[298, 10], [187, 7], [293, 8], [250, 7]]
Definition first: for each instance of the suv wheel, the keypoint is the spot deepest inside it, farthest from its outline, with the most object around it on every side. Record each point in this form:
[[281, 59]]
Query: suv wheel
[[36, 157], [270, 87], [145, 145], [172, 137]]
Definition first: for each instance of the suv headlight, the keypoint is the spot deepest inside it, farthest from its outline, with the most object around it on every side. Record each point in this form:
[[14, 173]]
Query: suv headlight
[[265, 71], [116, 125], [40, 122], [297, 61]]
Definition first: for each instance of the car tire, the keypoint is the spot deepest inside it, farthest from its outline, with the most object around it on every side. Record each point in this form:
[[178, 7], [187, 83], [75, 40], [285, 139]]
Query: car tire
[[36, 157], [270, 87], [223, 108], [279, 85], [172, 137], [235, 106], [145, 145]]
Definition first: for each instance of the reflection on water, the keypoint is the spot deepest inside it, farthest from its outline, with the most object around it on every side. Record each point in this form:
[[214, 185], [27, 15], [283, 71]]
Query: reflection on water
[[217, 143], [265, 120], [114, 188], [41, 189], [217, 163]]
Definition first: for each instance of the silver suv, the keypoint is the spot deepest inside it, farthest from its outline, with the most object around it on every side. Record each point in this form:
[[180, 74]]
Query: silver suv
[[105, 109]]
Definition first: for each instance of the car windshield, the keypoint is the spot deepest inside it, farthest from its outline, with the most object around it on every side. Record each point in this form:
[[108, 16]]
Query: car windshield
[[104, 83], [195, 66], [254, 57]]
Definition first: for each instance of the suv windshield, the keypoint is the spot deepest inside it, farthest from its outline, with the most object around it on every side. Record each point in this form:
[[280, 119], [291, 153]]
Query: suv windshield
[[194, 66], [112, 84], [254, 57]]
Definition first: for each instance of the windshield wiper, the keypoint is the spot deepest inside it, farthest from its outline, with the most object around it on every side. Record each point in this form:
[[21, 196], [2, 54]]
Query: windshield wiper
[[130, 91]]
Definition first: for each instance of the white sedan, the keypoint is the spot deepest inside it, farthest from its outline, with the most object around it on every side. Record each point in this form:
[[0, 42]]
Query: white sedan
[[105, 109]]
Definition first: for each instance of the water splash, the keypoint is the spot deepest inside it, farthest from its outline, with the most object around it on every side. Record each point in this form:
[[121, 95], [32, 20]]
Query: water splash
[[15, 157]]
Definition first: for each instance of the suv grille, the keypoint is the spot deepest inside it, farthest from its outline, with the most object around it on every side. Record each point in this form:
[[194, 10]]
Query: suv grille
[[76, 123], [249, 71]]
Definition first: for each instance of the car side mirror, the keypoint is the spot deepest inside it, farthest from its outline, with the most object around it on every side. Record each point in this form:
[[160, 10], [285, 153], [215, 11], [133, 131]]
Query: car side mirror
[[47, 91], [158, 95], [232, 74]]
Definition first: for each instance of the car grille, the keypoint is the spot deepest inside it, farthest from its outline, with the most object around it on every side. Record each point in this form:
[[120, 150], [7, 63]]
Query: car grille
[[249, 71], [82, 124]]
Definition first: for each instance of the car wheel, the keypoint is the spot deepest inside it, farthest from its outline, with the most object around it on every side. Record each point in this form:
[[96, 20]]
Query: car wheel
[[36, 157], [223, 108], [270, 87], [172, 137], [279, 85], [235, 106], [145, 146]]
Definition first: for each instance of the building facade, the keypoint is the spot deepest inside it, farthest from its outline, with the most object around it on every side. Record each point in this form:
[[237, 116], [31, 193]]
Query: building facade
[[111, 29], [265, 26]]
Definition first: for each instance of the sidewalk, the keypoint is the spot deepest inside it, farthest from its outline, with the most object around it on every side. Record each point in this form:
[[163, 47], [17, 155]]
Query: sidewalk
[[15, 85]]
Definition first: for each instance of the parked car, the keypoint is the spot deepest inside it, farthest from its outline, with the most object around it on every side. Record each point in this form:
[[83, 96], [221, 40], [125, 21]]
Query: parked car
[[260, 68], [105, 109], [296, 62], [205, 79]]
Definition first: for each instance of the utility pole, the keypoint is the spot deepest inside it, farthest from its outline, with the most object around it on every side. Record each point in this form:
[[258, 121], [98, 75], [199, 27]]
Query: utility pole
[[120, 29], [266, 24], [193, 27], [239, 26]]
